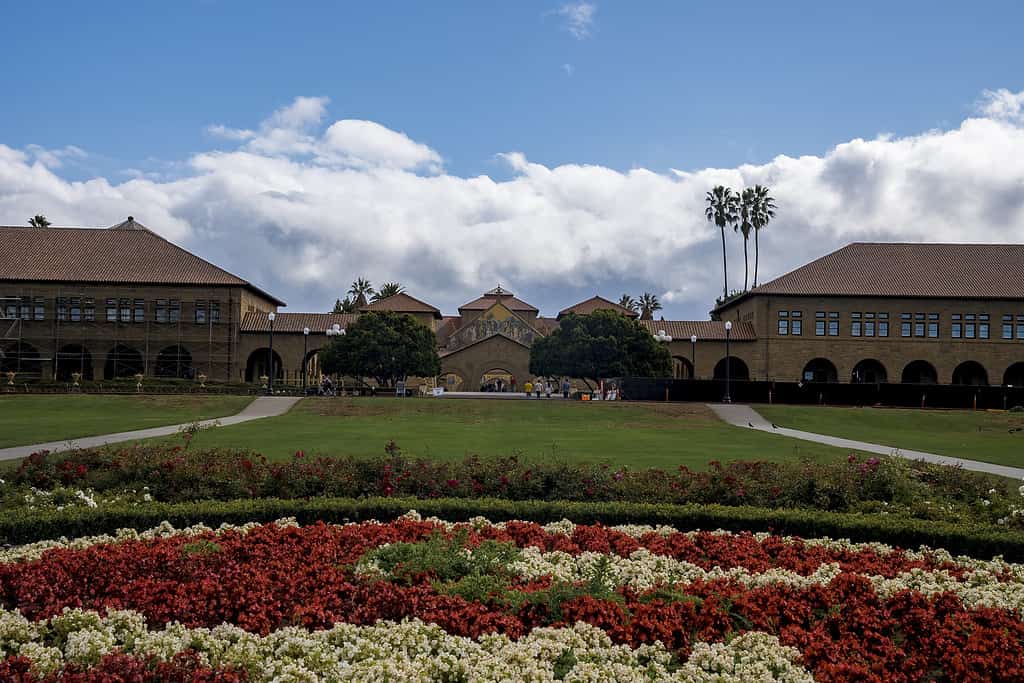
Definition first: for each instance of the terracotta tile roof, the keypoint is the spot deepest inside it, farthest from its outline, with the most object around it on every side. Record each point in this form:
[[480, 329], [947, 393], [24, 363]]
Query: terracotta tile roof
[[492, 297], [128, 252], [596, 303], [402, 303], [286, 323], [448, 325], [893, 269], [546, 325], [706, 330]]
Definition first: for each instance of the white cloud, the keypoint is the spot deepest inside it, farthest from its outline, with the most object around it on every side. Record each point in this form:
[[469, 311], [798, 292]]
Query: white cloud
[[357, 143], [54, 158], [220, 131], [1002, 104], [301, 211], [569, 69], [579, 18]]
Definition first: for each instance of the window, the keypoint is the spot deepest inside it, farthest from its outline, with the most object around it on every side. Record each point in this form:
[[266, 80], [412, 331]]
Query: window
[[906, 327], [139, 314], [173, 311], [111, 310], [89, 309], [933, 325], [1020, 327], [161, 310], [26, 308], [783, 327], [919, 324], [76, 309], [970, 327], [883, 324], [10, 310], [796, 326], [833, 324], [1007, 327], [215, 313], [62, 309], [200, 312], [819, 323], [983, 326], [855, 324], [126, 310], [39, 309], [956, 329]]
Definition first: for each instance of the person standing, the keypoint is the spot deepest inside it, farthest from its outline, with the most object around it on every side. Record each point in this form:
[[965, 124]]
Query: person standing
[[547, 388], [565, 387], [513, 383], [529, 387], [538, 385]]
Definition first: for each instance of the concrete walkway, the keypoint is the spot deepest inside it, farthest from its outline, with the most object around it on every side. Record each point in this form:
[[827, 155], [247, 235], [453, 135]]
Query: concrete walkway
[[748, 418], [264, 406]]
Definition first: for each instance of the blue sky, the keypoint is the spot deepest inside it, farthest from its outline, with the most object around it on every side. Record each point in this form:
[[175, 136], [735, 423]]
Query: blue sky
[[618, 86]]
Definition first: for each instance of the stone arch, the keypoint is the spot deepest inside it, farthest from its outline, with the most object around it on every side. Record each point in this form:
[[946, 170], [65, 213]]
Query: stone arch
[[682, 368], [22, 358], [256, 365], [971, 373], [1014, 375], [123, 361], [174, 361], [738, 369], [73, 358], [919, 372], [311, 366], [820, 370], [869, 371]]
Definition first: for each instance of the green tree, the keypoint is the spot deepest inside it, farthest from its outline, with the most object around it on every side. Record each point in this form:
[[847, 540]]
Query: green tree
[[359, 291], [385, 345], [39, 221], [345, 305], [629, 303], [743, 225], [648, 304], [760, 216], [388, 289], [600, 344], [721, 210]]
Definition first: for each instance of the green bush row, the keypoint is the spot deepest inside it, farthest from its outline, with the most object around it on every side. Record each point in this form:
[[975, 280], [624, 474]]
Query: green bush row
[[24, 526]]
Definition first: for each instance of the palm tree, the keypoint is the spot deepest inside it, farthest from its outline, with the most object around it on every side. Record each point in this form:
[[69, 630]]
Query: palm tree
[[744, 226], [39, 221], [346, 306], [761, 215], [359, 290], [629, 303], [721, 210], [648, 305], [388, 289]]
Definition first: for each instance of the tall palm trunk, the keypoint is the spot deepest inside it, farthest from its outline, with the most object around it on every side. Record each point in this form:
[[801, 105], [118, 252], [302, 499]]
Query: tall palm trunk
[[746, 268], [757, 252], [725, 269]]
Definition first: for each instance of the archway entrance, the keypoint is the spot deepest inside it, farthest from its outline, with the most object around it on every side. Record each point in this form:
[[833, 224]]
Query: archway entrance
[[496, 379], [73, 358], [123, 361], [971, 373], [1014, 375], [451, 381], [820, 370], [256, 366], [737, 369], [869, 371], [22, 358], [174, 361], [682, 368], [919, 372]]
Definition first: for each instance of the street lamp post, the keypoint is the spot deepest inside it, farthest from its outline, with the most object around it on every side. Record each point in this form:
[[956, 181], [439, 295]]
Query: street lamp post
[[728, 368], [305, 345], [693, 356], [335, 330], [270, 355]]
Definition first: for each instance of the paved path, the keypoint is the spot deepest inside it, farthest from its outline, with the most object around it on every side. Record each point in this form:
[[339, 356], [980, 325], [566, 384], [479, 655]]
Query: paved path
[[264, 406], [746, 417]]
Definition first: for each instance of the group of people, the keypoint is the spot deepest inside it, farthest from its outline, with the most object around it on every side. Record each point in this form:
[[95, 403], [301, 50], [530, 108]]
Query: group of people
[[536, 387]]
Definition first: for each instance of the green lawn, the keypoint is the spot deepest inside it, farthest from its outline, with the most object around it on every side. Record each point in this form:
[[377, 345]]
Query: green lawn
[[666, 435], [975, 435], [40, 419]]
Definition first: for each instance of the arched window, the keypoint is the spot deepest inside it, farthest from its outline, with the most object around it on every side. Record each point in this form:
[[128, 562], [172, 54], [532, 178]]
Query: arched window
[[820, 370]]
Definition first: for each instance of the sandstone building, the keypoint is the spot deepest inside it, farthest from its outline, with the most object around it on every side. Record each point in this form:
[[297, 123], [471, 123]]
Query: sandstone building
[[119, 301]]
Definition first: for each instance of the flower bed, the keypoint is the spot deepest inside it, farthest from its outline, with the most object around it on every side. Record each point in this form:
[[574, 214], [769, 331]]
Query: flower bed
[[425, 599], [890, 485]]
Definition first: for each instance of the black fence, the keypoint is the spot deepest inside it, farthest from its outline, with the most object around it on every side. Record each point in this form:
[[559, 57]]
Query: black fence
[[821, 393]]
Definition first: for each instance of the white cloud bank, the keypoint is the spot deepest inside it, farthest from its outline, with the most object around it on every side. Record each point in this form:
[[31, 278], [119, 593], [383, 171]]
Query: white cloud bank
[[301, 209], [578, 17]]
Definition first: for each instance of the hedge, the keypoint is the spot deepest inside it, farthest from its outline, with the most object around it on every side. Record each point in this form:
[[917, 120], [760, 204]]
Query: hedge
[[24, 526]]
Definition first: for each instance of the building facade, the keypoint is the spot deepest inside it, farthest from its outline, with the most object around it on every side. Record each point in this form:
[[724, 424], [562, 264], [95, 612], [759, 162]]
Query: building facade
[[121, 301]]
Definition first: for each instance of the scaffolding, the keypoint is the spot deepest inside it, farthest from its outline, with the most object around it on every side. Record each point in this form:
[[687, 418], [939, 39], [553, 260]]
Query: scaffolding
[[50, 332]]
